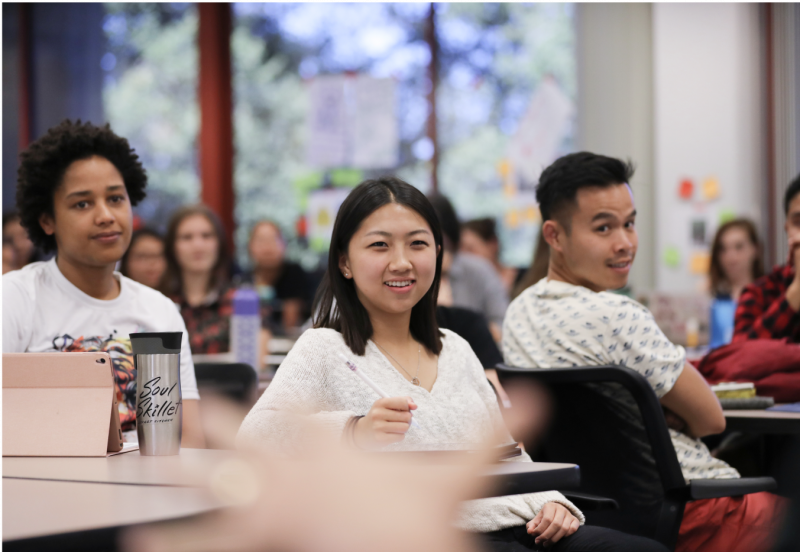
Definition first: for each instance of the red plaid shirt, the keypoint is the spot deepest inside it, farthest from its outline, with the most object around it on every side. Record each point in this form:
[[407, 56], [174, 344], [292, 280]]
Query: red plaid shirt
[[763, 311]]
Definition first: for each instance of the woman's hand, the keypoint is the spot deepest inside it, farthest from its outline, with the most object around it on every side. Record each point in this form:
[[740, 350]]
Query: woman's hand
[[552, 523], [385, 423]]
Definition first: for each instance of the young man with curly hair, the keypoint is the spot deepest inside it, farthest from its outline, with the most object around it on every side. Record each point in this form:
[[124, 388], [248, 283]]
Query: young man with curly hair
[[75, 189]]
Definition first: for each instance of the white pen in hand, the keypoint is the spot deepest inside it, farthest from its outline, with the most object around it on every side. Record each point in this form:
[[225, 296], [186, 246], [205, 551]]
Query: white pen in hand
[[365, 378]]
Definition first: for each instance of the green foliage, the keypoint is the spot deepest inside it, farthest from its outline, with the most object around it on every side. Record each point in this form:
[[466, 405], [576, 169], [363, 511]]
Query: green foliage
[[151, 99]]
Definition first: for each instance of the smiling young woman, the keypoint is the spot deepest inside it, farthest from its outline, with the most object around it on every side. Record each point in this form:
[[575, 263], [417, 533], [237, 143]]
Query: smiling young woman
[[377, 306]]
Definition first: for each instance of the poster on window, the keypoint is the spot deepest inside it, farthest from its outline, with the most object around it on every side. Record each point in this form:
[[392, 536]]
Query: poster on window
[[326, 145], [352, 123], [541, 131], [375, 140], [323, 205]]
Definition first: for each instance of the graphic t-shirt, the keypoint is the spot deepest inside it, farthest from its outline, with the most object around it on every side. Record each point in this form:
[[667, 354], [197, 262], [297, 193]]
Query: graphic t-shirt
[[44, 312], [554, 324]]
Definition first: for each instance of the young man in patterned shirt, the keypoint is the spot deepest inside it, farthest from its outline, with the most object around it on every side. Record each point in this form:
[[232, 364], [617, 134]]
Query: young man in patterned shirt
[[569, 319], [769, 308]]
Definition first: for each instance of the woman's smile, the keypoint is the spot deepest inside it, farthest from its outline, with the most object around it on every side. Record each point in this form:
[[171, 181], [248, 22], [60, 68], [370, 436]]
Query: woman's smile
[[400, 286]]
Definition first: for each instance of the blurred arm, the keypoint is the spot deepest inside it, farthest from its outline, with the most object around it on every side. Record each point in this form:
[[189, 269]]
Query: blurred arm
[[192, 430]]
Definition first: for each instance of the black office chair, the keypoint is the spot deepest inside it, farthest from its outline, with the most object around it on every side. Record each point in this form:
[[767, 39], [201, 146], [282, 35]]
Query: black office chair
[[236, 381], [623, 448]]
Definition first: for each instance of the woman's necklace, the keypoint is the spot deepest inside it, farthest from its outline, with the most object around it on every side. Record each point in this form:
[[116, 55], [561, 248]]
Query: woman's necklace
[[414, 378]]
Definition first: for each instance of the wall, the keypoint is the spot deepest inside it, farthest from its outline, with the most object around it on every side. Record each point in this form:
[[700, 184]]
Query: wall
[[615, 106], [10, 102], [66, 77], [708, 124]]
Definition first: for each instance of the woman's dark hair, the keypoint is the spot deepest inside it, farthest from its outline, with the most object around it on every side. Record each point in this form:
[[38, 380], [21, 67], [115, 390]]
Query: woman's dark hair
[[448, 219], [719, 282], [172, 283], [43, 165], [145, 232], [539, 266], [336, 305], [792, 190], [559, 183]]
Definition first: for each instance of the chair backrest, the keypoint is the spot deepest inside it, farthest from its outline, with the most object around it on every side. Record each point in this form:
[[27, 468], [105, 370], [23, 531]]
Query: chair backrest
[[235, 380], [609, 421]]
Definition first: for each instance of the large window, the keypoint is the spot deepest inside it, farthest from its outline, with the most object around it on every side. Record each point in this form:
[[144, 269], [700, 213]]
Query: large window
[[150, 97], [506, 71], [506, 85]]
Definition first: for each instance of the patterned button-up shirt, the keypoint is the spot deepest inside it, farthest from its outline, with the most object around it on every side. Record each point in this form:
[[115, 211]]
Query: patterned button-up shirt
[[555, 324]]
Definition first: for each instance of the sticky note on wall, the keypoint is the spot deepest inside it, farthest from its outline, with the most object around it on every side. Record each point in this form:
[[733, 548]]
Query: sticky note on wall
[[711, 188], [725, 215], [672, 256], [686, 188], [699, 263]]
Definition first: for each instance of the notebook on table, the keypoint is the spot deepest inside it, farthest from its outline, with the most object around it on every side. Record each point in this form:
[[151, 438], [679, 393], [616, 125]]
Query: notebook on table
[[60, 404]]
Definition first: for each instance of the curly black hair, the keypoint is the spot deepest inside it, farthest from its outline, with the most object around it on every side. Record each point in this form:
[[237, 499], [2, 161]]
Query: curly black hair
[[43, 164]]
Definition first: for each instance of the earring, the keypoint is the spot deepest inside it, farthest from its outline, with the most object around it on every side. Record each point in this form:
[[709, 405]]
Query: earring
[[346, 275]]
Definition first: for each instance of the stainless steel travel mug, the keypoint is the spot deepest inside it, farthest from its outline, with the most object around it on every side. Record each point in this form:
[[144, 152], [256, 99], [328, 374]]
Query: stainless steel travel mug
[[159, 410]]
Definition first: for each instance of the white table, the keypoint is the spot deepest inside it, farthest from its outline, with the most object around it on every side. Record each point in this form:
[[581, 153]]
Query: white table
[[37, 507], [53, 496]]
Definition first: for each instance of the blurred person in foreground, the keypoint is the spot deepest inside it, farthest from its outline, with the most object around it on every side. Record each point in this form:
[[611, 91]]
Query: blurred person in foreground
[[589, 222], [144, 261], [25, 252], [281, 285], [768, 308], [75, 191], [479, 237], [376, 308], [354, 506], [735, 264], [474, 283]]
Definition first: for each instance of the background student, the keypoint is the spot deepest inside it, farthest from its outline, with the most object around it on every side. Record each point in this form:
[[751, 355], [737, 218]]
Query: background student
[[377, 307], [735, 263], [590, 224], [479, 237], [76, 187], [197, 277], [768, 308], [144, 261], [9, 255], [25, 252], [474, 283], [283, 286]]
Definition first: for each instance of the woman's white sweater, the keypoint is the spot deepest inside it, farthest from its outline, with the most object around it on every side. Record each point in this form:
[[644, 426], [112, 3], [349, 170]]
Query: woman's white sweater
[[460, 409]]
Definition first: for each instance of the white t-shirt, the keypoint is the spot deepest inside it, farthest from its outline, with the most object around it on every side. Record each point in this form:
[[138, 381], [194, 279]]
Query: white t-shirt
[[45, 312], [554, 324]]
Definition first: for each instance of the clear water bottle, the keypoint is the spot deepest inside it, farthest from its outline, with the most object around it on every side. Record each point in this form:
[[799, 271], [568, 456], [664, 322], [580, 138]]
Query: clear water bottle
[[246, 327]]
